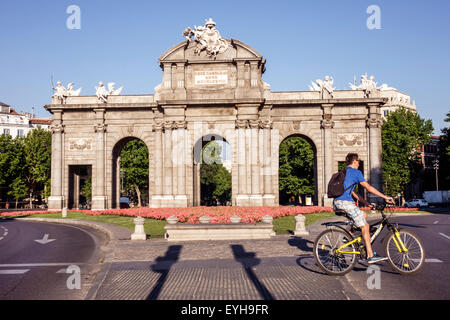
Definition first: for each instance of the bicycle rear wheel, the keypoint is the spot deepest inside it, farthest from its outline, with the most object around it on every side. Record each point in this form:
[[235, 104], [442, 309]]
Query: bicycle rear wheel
[[325, 247], [409, 262]]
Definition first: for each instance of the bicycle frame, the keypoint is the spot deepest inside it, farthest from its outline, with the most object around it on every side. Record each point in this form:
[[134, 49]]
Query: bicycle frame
[[379, 226]]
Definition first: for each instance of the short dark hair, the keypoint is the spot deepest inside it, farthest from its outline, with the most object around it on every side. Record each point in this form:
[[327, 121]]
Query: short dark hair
[[351, 157]]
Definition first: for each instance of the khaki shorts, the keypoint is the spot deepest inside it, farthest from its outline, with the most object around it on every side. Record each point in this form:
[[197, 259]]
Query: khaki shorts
[[356, 214]]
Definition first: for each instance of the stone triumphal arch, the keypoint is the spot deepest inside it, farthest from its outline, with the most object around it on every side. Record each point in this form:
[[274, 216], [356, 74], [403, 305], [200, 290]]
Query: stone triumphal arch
[[210, 86]]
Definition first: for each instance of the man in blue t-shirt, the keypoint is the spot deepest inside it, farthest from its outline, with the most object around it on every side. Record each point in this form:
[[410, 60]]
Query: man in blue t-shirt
[[346, 203]]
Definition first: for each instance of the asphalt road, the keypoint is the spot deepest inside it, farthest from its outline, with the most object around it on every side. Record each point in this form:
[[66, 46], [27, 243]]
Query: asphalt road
[[430, 283], [61, 265]]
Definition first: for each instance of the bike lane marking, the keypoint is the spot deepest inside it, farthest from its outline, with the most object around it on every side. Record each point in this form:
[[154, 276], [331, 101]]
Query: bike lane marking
[[444, 235], [5, 232], [17, 271]]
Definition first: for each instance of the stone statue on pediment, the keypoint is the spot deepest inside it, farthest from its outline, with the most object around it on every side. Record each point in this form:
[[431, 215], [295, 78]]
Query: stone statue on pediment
[[62, 93], [323, 85], [207, 38], [369, 86]]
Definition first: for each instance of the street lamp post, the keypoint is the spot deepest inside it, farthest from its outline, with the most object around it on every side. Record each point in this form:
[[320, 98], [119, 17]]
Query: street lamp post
[[436, 168]]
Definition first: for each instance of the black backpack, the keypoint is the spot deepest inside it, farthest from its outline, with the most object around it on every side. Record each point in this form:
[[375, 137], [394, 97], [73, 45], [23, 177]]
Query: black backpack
[[336, 184]]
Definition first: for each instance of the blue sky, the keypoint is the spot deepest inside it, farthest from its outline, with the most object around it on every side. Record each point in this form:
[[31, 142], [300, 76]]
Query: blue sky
[[121, 41]]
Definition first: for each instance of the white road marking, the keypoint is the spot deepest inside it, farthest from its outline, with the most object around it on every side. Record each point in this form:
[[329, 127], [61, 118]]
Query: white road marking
[[444, 235], [22, 265], [14, 271], [430, 260], [45, 240], [436, 222]]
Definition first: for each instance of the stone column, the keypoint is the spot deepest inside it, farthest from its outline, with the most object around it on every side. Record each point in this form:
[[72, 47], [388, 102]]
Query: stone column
[[256, 197], [242, 196], [375, 162], [76, 188], [99, 195], [156, 198], [327, 127], [180, 157], [56, 200], [268, 193], [167, 199]]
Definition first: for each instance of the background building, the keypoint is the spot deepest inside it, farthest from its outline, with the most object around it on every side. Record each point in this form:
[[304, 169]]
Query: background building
[[19, 124]]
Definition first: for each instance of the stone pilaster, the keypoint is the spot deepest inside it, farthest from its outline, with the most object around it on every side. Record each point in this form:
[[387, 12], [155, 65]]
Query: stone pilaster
[[56, 200], [99, 198], [327, 128], [158, 132], [180, 157], [374, 127], [242, 197], [167, 199], [266, 161], [256, 197]]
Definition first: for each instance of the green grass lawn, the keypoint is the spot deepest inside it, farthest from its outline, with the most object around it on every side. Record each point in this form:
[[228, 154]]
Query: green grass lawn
[[155, 228]]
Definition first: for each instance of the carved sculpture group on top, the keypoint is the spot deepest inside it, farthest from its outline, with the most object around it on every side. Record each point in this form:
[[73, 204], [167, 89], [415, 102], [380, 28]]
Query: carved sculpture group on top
[[369, 86], [323, 85], [62, 93], [102, 93], [207, 38]]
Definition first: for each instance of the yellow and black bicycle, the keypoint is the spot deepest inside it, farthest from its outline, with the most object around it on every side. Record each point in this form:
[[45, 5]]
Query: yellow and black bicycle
[[337, 249]]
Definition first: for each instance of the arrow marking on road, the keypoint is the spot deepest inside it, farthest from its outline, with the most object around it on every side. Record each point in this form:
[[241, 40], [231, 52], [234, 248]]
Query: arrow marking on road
[[444, 235], [430, 260], [14, 271], [45, 240]]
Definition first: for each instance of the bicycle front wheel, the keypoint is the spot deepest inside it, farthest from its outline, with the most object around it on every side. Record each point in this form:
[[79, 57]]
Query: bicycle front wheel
[[326, 255], [405, 262]]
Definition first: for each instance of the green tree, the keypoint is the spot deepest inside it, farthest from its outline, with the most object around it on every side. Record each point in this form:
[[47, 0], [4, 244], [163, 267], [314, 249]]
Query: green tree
[[403, 133], [7, 156], [444, 157], [134, 162], [296, 168], [37, 169], [214, 177]]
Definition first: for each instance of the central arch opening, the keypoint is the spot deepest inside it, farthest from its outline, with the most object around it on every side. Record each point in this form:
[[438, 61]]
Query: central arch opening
[[130, 173], [212, 172], [297, 171]]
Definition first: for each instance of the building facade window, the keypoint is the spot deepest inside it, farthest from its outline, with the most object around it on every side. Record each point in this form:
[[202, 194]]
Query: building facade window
[[6, 132], [20, 133]]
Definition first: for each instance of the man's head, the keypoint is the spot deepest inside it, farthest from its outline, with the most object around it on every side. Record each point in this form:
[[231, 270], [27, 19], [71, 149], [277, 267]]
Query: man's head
[[352, 159]]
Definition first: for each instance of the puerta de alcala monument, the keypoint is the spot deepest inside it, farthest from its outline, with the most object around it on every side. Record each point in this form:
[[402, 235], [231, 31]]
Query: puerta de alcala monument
[[212, 88]]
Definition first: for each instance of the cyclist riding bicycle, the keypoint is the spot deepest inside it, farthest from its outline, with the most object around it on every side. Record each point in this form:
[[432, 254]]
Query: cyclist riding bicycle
[[346, 203]]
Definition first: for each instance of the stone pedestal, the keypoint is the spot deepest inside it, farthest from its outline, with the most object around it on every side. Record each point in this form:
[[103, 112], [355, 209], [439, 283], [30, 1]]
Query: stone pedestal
[[139, 232], [99, 203], [300, 229]]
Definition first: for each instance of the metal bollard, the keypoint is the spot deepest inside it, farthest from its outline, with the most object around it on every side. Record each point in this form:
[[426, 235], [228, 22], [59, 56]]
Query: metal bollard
[[139, 232], [235, 219], [300, 229]]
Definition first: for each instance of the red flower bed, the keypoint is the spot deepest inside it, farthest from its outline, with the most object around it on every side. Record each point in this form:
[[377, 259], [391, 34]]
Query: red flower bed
[[217, 214]]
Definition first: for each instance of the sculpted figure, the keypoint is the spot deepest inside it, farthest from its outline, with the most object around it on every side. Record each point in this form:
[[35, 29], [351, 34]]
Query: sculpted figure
[[112, 91], [61, 92], [208, 39], [326, 84], [71, 91], [101, 92]]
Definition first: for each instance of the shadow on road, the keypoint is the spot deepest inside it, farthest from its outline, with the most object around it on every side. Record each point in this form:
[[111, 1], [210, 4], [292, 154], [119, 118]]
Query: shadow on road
[[248, 260], [162, 266], [302, 244]]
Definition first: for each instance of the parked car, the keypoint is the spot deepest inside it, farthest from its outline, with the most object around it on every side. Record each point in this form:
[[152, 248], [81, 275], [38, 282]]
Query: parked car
[[416, 203], [124, 203]]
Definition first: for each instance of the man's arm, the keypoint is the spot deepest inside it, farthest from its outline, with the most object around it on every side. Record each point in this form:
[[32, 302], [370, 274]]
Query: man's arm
[[376, 192], [360, 199]]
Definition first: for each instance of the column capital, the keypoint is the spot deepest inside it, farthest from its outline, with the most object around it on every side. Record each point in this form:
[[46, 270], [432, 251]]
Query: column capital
[[266, 124], [57, 128], [168, 125], [327, 124], [180, 124], [158, 126], [254, 124], [241, 124], [100, 127], [374, 123]]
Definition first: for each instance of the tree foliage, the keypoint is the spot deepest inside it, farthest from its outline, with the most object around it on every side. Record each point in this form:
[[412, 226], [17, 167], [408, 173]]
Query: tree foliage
[[403, 133], [214, 177], [296, 170], [444, 157], [134, 163]]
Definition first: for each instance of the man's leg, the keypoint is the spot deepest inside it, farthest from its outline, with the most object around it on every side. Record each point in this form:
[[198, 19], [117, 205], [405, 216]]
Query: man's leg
[[365, 230]]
